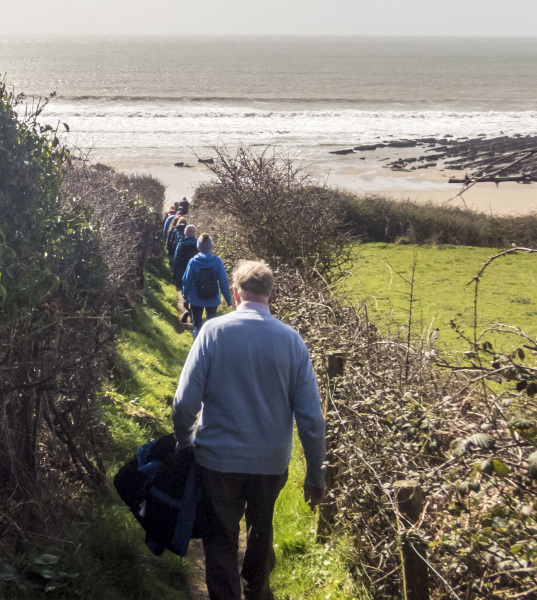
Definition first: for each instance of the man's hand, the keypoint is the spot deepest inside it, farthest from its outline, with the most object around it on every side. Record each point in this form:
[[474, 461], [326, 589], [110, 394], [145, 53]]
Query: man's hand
[[314, 495]]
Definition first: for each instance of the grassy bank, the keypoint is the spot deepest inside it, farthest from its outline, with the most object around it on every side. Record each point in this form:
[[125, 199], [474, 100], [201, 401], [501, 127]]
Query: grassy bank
[[135, 407], [150, 354], [441, 292]]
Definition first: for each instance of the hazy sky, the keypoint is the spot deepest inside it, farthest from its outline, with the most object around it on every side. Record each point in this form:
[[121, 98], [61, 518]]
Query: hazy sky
[[274, 17]]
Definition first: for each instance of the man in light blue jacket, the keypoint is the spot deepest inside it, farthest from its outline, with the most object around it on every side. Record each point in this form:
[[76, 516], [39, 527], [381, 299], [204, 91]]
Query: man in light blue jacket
[[252, 374], [203, 262]]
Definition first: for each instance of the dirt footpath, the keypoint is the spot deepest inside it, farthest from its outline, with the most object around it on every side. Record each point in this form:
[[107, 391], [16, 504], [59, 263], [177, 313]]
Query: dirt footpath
[[197, 589]]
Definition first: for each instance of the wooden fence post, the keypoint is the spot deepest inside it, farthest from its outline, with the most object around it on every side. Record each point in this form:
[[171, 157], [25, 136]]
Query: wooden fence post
[[409, 502], [326, 512]]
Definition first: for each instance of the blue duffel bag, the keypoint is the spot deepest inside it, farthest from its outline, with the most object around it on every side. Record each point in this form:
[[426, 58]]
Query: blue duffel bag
[[159, 487]]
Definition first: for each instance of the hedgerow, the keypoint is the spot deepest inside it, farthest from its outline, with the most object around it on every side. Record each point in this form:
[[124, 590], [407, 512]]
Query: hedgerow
[[381, 219], [74, 239]]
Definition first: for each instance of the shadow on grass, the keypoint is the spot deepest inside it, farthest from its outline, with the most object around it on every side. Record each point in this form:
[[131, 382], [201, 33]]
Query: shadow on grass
[[114, 563]]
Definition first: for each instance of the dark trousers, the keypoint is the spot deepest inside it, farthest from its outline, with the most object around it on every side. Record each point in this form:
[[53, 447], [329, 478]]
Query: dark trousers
[[197, 317], [227, 497]]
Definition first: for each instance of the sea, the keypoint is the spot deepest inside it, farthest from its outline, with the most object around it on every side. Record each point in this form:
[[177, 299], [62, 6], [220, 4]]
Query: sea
[[144, 97]]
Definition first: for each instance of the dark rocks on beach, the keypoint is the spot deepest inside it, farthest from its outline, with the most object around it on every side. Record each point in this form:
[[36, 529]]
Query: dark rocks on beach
[[367, 147], [446, 152], [476, 154], [206, 161], [179, 164], [403, 144], [348, 151], [102, 168]]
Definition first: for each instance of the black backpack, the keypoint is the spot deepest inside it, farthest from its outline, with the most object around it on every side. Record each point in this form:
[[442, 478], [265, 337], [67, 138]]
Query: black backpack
[[207, 284]]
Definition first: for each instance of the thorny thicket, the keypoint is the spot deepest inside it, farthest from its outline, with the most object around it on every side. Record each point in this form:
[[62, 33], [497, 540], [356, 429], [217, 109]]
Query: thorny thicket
[[466, 433], [467, 440], [73, 242], [273, 211]]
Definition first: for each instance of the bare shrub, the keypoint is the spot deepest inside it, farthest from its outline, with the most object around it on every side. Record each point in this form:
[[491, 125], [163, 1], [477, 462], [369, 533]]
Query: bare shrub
[[125, 211], [281, 215]]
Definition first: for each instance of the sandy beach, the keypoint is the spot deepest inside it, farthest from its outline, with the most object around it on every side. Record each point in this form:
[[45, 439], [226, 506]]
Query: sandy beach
[[369, 176]]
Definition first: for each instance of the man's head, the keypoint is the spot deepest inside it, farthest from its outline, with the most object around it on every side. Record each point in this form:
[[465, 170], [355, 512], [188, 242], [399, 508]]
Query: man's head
[[181, 221], [253, 281], [190, 231]]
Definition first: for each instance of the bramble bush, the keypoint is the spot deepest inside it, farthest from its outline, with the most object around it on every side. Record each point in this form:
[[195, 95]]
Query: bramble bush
[[465, 433]]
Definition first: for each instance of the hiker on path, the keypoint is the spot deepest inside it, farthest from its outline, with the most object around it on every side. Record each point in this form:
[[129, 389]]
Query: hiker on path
[[175, 235], [183, 206], [204, 281], [186, 249], [170, 216], [252, 374]]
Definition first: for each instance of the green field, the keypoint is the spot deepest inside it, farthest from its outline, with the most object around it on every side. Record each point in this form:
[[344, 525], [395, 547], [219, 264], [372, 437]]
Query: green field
[[507, 291]]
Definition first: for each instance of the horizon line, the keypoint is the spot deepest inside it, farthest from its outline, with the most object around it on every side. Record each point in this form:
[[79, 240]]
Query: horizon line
[[268, 35]]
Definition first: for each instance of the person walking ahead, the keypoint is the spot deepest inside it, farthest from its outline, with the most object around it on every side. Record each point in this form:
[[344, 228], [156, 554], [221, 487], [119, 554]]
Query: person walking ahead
[[253, 375], [185, 250], [203, 281]]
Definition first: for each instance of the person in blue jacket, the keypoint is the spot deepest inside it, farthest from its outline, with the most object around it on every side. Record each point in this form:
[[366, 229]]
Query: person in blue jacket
[[199, 268], [185, 250], [170, 216], [175, 234]]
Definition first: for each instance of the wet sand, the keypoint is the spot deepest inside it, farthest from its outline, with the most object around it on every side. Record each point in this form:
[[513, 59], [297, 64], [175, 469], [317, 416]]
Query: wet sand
[[366, 173], [432, 186]]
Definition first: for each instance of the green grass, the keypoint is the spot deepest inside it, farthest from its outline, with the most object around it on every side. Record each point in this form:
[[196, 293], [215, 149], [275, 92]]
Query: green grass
[[114, 564], [305, 568], [150, 354], [441, 290]]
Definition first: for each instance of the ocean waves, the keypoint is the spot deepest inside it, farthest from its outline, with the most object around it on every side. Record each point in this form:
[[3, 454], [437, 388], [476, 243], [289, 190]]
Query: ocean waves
[[175, 124], [176, 110]]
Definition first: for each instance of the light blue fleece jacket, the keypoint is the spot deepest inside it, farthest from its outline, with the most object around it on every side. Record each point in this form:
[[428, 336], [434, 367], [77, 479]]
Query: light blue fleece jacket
[[253, 374], [203, 261]]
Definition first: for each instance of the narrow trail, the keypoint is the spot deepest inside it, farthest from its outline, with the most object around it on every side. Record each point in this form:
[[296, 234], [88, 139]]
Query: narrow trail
[[197, 590]]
